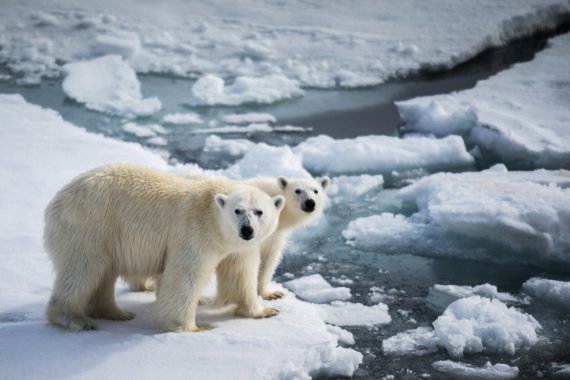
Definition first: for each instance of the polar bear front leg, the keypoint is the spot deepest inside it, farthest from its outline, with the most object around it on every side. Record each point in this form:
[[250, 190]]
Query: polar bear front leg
[[179, 291], [237, 283], [271, 250]]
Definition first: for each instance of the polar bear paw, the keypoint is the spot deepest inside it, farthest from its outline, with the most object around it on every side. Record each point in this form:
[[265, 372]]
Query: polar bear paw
[[270, 296]]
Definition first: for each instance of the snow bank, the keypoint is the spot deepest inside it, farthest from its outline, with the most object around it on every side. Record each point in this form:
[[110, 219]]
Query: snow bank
[[211, 90], [108, 84], [249, 118], [489, 371], [469, 325], [552, 291], [519, 116], [182, 118], [382, 154], [36, 146], [373, 42], [440, 296], [525, 213], [315, 288], [355, 314]]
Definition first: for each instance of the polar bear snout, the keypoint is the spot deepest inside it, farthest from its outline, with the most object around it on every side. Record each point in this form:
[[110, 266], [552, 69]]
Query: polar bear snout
[[246, 232], [308, 206]]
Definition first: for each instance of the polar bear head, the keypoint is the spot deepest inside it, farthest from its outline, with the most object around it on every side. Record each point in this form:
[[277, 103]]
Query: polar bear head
[[249, 214], [303, 197]]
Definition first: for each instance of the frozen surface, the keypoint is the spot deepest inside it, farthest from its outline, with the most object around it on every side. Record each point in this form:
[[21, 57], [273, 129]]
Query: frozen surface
[[148, 130], [527, 213], [440, 296], [469, 325], [233, 147], [382, 154], [489, 371], [552, 291], [211, 90], [108, 84], [40, 153], [350, 187], [315, 288], [249, 118], [355, 314], [252, 128], [520, 116], [182, 118], [314, 47]]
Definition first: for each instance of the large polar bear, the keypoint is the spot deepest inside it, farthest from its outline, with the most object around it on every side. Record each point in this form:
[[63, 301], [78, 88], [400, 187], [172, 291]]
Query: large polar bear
[[305, 198], [122, 220]]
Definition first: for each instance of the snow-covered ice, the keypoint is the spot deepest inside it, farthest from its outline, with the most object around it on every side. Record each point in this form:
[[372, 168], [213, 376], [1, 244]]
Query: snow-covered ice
[[252, 128], [382, 154], [314, 47], [108, 84], [182, 118], [211, 90], [233, 147], [355, 314], [315, 288], [139, 130], [469, 325], [350, 187], [552, 291], [249, 118], [489, 371], [526, 213], [519, 116], [40, 153], [440, 296]]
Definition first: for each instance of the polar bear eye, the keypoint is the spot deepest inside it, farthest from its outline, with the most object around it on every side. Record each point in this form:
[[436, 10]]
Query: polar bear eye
[[238, 211], [316, 191], [258, 212], [298, 191]]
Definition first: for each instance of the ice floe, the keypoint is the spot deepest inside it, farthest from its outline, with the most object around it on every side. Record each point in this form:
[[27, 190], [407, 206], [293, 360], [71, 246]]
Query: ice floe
[[440, 296], [315, 288], [182, 118], [249, 118], [355, 314], [552, 291], [489, 371], [108, 84]]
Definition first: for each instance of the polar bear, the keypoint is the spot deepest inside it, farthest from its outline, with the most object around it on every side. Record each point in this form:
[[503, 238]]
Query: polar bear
[[305, 198], [124, 220]]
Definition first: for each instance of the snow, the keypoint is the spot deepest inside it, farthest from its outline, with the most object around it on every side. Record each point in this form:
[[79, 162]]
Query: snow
[[182, 118], [108, 84], [40, 153], [211, 90], [382, 154], [249, 118], [489, 371], [469, 325], [355, 314], [344, 337], [525, 213], [313, 47], [519, 115], [232, 147], [551, 291], [253, 128], [351, 187], [315, 288], [267, 161], [440, 296]]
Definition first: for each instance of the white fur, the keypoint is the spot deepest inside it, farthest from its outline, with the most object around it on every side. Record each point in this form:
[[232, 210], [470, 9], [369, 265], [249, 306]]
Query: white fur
[[129, 221]]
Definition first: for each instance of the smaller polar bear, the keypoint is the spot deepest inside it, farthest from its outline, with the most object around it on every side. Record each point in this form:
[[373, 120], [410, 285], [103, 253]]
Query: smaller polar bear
[[304, 199], [123, 220]]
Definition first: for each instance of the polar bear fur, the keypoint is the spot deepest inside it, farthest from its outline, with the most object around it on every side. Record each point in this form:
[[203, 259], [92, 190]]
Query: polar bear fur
[[123, 220], [297, 192]]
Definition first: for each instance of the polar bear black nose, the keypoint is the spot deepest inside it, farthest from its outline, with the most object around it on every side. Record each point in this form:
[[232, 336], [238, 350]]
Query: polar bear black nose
[[246, 232], [309, 205]]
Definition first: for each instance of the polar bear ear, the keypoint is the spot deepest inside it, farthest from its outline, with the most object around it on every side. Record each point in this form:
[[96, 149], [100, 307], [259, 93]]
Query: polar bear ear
[[282, 181], [220, 200], [325, 182], [279, 202]]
